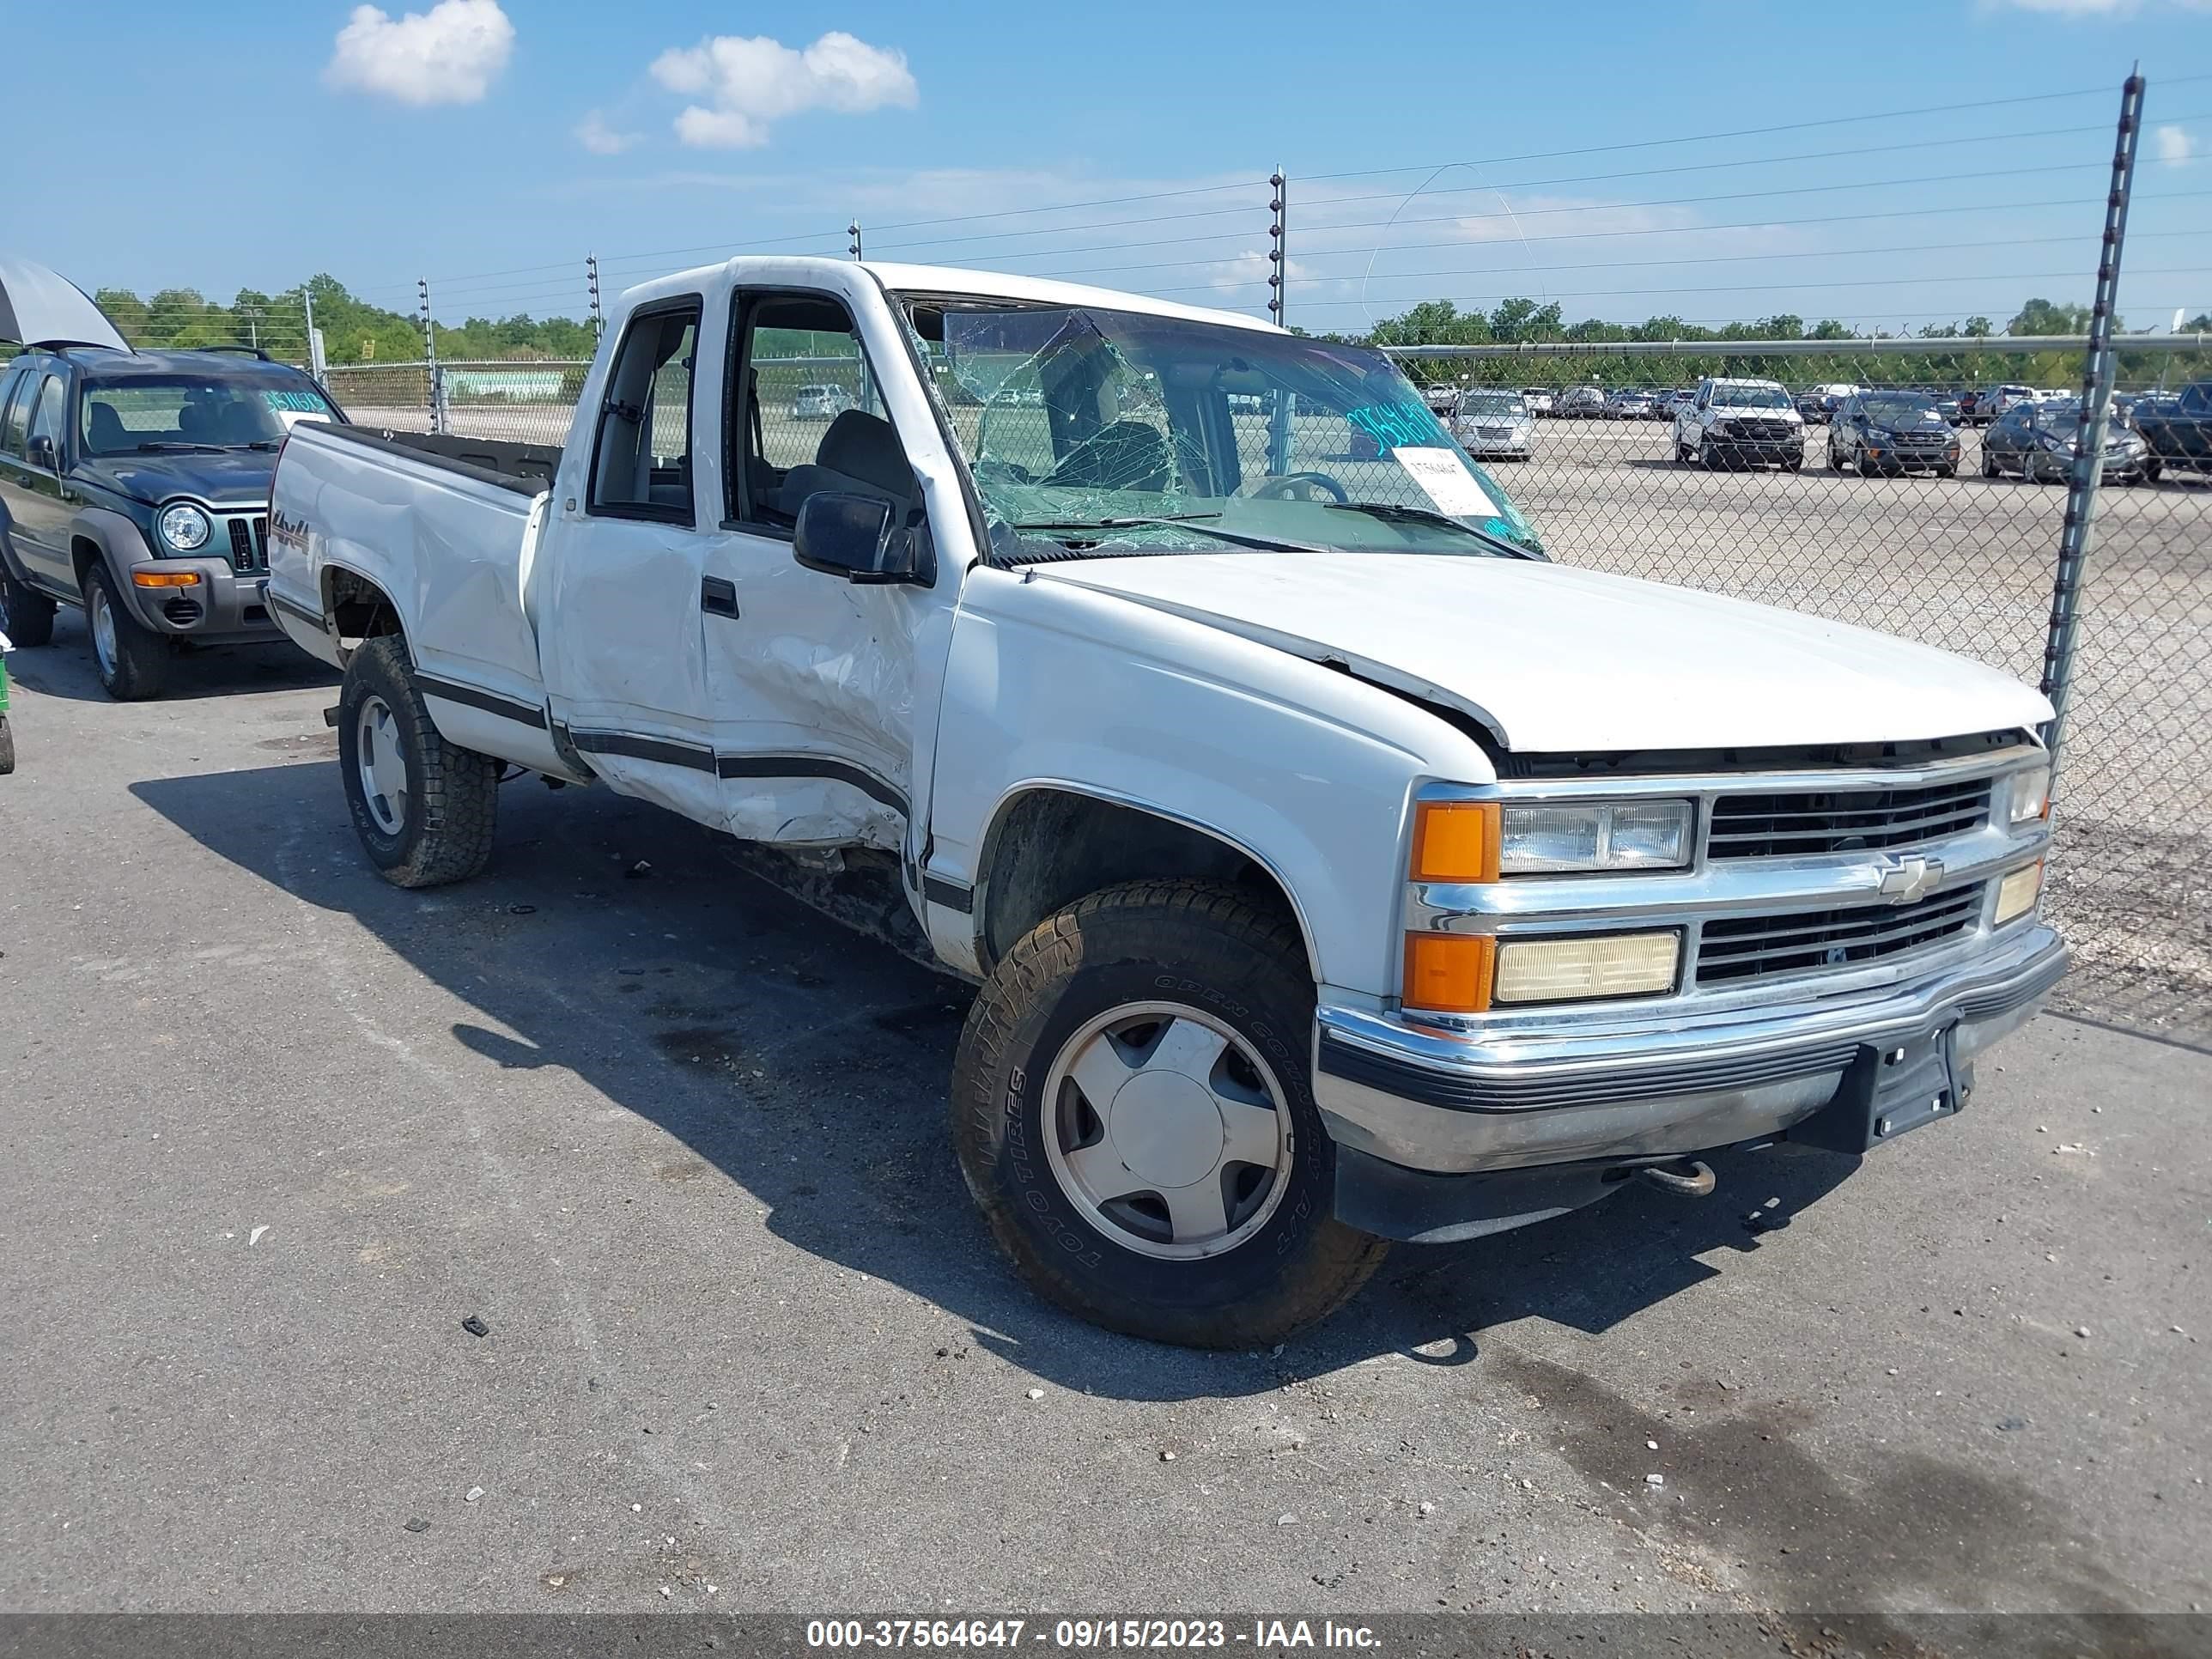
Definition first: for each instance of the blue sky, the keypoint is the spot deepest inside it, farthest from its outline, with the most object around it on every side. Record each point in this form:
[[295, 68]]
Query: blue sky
[[488, 144]]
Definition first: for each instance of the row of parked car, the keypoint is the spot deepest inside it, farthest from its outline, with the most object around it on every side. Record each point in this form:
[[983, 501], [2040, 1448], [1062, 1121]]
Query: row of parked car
[[1882, 431]]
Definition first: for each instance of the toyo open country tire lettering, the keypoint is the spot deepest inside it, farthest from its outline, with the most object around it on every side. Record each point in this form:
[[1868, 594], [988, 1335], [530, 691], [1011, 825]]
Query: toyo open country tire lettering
[[1134, 1113], [424, 809], [25, 617]]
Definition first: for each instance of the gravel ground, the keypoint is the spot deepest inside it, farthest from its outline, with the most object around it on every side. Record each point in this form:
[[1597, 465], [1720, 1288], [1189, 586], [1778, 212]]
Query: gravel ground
[[273, 1130]]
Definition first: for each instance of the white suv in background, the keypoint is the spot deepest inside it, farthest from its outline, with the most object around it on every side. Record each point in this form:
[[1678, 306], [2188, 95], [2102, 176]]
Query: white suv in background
[[1740, 423]]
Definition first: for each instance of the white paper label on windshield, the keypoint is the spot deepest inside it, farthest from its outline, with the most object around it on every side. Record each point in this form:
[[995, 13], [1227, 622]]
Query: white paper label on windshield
[[1444, 477]]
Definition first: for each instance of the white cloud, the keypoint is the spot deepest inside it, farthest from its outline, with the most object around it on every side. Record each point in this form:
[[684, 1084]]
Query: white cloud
[[2176, 146], [749, 83], [449, 54], [594, 133]]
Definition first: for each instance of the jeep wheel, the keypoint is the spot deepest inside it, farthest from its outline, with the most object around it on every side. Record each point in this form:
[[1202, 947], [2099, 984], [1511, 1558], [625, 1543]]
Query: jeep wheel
[[27, 617], [423, 808], [132, 660], [1132, 1111]]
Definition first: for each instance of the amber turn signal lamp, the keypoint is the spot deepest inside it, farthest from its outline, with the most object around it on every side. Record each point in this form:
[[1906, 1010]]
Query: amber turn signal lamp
[[1456, 841], [165, 578], [1450, 973]]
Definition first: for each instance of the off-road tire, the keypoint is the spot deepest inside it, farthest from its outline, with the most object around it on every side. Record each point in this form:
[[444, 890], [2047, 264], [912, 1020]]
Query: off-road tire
[[26, 617], [142, 656], [1211, 948], [453, 793]]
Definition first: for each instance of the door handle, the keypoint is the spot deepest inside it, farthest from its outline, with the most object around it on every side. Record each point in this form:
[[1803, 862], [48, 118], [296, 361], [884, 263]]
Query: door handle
[[718, 598]]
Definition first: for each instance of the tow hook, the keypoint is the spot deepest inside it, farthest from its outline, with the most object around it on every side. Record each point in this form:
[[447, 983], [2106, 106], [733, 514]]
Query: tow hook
[[1686, 1177]]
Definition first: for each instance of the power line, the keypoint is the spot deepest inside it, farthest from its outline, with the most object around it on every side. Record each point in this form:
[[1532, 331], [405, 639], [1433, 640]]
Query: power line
[[1752, 132]]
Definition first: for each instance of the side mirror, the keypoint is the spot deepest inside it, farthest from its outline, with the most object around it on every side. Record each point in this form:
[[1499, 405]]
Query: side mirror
[[42, 453], [858, 538]]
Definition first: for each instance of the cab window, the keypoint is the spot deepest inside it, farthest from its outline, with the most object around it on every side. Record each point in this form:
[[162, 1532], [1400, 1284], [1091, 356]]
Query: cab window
[[642, 459], [46, 413], [805, 413], [15, 410]]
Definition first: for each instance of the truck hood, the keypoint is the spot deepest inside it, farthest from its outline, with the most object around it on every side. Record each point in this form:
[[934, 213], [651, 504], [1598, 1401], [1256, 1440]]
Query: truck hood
[[1556, 661], [218, 477]]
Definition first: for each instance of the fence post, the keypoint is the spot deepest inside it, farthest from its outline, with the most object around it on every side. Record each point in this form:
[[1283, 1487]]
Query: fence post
[[2097, 369], [431, 358], [1278, 248]]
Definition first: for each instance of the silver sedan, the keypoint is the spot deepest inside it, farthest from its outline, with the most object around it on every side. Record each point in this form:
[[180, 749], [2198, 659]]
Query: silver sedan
[[1497, 425]]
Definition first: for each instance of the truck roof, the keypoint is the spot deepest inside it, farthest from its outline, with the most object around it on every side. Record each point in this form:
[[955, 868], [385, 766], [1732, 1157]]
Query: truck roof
[[944, 279]]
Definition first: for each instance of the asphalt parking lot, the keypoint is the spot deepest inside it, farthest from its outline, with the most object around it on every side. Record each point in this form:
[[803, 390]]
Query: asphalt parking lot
[[274, 1129]]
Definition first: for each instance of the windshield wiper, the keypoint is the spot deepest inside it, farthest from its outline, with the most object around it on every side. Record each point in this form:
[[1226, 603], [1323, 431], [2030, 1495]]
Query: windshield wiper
[[1234, 538], [1391, 513], [149, 449], [259, 443]]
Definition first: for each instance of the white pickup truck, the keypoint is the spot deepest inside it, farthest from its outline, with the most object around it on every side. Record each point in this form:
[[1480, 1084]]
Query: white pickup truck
[[1336, 868]]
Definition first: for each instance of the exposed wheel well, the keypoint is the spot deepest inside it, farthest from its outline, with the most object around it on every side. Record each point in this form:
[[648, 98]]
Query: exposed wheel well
[[84, 553], [1050, 846], [359, 608]]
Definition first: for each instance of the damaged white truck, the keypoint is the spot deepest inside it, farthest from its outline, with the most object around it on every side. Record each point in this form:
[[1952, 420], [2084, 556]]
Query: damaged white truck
[[1336, 868]]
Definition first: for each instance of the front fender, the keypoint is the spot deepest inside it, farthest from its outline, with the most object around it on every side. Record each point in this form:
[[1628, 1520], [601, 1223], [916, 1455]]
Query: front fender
[[1307, 771], [118, 543]]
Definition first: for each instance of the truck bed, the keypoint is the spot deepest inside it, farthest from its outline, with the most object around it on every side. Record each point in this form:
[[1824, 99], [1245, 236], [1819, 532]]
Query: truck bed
[[528, 468], [451, 523]]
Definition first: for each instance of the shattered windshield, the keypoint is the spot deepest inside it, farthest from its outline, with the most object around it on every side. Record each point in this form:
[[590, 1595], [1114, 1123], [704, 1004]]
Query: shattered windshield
[[1092, 432]]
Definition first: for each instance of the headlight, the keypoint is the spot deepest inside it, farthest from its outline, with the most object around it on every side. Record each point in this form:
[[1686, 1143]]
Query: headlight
[[1578, 969], [1644, 835], [2029, 796], [184, 528]]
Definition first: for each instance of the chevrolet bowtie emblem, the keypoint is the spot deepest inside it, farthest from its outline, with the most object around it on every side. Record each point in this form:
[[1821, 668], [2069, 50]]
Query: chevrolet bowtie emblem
[[1905, 879]]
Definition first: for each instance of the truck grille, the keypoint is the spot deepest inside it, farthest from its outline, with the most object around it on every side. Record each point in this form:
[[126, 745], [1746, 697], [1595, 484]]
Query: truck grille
[[1734, 948], [1841, 821], [1763, 431], [249, 544]]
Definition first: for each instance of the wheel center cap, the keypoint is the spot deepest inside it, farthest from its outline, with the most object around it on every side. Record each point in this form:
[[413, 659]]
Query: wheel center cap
[[1166, 1128]]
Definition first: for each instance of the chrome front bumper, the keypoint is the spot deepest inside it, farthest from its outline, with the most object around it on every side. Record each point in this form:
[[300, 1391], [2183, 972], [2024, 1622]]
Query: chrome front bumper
[[1650, 1085]]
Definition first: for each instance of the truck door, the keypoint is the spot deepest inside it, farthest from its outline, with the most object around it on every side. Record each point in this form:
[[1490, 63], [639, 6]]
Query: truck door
[[813, 677], [619, 628]]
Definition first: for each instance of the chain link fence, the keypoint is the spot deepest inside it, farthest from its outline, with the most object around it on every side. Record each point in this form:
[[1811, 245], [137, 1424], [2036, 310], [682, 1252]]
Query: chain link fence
[[1919, 489]]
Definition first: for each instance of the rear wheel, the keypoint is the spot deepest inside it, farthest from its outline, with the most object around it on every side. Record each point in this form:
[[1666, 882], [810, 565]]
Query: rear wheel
[[1132, 1111], [132, 660], [1989, 463], [2153, 469], [26, 617], [424, 809]]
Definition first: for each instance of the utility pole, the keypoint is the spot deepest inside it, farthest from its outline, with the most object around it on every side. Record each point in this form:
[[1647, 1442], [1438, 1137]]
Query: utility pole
[[1279, 247], [854, 231], [591, 282]]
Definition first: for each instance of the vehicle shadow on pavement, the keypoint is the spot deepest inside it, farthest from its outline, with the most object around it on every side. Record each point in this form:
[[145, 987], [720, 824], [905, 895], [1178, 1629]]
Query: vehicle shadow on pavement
[[762, 1036], [65, 668]]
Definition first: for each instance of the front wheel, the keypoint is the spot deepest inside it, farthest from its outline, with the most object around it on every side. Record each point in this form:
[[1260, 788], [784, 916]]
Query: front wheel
[[132, 660], [1134, 1113], [424, 809], [2152, 470]]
